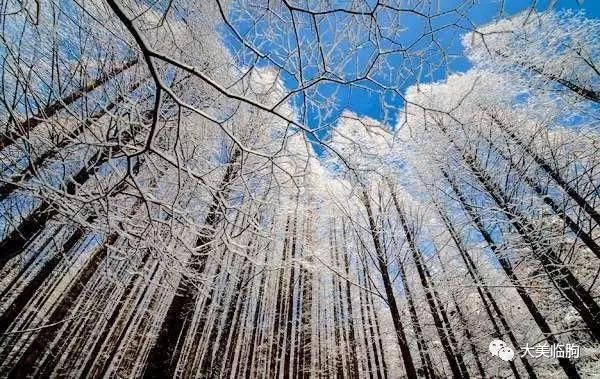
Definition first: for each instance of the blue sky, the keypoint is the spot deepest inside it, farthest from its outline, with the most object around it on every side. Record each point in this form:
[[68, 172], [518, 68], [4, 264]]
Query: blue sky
[[346, 42]]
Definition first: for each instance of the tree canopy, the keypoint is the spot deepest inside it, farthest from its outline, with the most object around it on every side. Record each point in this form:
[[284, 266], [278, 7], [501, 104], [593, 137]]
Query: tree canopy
[[295, 189]]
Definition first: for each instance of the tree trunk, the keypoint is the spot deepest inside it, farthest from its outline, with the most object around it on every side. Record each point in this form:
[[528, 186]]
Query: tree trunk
[[427, 366], [274, 363], [255, 324], [213, 361], [565, 281], [22, 299], [586, 93], [484, 294], [287, 353], [16, 241], [447, 345], [586, 237], [23, 128], [337, 305], [102, 371], [164, 355], [48, 268], [11, 184], [563, 278], [305, 342], [27, 363], [384, 368], [554, 174], [366, 335], [567, 365], [465, 326], [389, 291], [371, 330], [349, 310]]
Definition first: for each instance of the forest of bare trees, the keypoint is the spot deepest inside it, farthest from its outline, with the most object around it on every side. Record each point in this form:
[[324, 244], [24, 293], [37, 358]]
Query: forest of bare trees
[[299, 189]]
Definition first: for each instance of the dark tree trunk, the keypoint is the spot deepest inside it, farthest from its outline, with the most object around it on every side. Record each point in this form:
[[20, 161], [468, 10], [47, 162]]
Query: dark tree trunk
[[255, 324], [564, 279], [16, 241], [469, 336], [27, 363], [337, 305], [371, 330], [427, 368], [8, 138], [164, 355], [306, 347], [484, 294], [575, 227], [586, 93], [121, 335], [447, 345], [213, 362], [384, 368], [226, 360], [213, 330], [366, 335], [389, 292], [48, 268], [566, 283], [567, 365], [19, 303], [353, 358], [444, 315], [551, 172], [278, 336], [287, 352], [11, 184], [465, 326], [296, 346]]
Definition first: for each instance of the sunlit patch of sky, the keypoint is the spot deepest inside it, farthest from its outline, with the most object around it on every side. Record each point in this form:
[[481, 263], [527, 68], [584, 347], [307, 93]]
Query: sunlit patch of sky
[[409, 49]]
